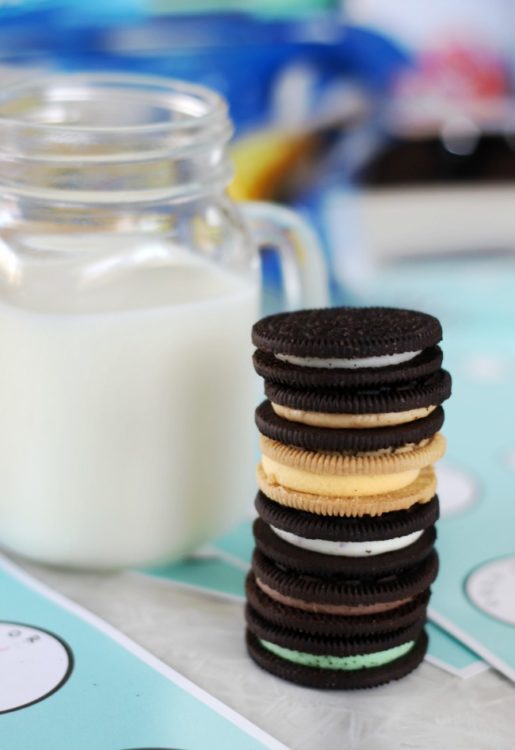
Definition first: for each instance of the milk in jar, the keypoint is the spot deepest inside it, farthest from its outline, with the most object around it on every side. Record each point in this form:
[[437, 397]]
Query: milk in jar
[[132, 428]]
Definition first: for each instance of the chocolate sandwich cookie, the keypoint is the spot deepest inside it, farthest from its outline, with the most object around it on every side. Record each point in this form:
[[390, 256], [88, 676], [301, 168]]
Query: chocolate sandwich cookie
[[365, 529], [329, 562], [340, 594], [319, 623], [352, 333], [269, 367], [315, 438], [357, 341], [408, 401], [332, 662]]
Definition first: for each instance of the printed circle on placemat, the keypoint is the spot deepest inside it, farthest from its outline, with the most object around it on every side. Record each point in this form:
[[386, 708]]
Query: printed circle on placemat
[[491, 588], [33, 664], [457, 490]]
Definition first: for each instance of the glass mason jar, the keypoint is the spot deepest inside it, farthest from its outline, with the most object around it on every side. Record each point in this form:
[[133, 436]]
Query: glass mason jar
[[129, 282]]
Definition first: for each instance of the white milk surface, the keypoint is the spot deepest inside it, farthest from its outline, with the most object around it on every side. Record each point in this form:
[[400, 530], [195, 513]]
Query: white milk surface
[[127, 437]]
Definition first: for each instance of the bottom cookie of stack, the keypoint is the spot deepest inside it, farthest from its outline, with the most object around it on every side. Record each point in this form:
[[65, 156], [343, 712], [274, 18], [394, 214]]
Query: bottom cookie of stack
[[331, 663]]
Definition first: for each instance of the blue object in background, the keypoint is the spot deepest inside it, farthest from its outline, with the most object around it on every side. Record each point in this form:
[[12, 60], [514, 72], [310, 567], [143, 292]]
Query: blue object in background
[[237, 54]]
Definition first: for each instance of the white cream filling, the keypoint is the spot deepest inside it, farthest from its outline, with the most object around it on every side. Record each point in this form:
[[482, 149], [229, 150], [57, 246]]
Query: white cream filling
[[349, 549], [386, 360]]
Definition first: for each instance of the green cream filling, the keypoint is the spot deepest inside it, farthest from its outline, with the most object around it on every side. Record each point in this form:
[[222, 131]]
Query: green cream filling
[[359, 661]]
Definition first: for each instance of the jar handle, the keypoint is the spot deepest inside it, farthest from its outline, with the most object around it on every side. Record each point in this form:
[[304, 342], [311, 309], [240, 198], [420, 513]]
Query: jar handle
[[301, 257]]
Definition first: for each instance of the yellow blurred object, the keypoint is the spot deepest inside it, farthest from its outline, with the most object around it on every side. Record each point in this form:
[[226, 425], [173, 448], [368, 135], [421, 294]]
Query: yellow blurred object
[[263, 160]]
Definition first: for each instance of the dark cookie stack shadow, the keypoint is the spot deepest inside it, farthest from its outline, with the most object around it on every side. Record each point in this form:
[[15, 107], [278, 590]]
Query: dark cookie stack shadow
[[344, 558]]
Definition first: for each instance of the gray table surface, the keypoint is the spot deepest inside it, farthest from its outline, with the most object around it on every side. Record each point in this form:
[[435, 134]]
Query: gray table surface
[[202, 638]]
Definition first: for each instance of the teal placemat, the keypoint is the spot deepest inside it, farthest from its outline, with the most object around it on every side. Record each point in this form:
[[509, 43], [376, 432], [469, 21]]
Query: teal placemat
[[69, 681], [474, 595], [451, 655]]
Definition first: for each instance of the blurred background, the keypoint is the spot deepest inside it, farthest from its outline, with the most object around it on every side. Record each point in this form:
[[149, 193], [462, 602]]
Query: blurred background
[[389, 124]]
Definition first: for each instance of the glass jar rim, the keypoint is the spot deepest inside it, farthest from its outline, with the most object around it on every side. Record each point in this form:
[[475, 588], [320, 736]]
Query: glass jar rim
[[202, 106], [112, 137]]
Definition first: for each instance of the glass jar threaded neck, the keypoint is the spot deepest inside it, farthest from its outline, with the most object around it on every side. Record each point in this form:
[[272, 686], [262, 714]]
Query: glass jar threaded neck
[[112, 138]]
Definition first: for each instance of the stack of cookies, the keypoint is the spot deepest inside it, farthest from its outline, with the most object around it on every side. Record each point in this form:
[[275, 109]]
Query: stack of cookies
[[344, 557]]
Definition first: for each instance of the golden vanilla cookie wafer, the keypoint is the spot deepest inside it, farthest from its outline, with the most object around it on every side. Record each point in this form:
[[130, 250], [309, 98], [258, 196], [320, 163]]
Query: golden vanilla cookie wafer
[[369, 464], [421, 490]]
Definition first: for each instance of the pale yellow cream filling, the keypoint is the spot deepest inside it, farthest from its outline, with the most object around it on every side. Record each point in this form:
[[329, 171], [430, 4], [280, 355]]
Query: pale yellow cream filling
[[331, 485], [335, 421]]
